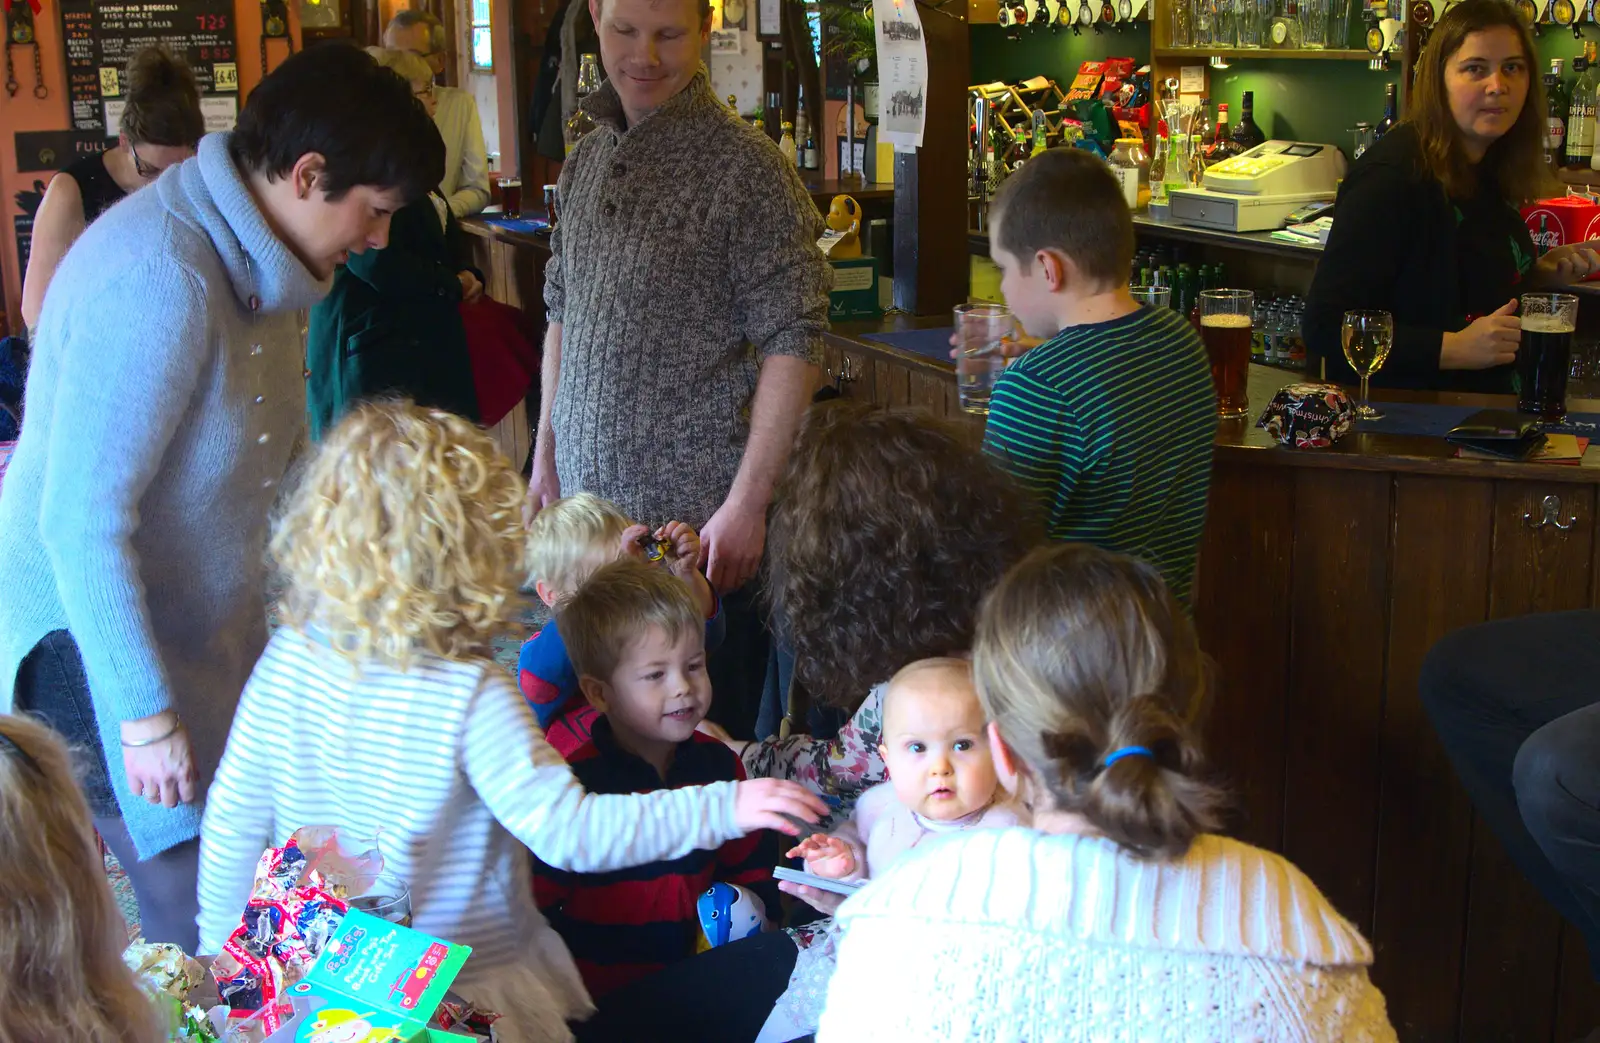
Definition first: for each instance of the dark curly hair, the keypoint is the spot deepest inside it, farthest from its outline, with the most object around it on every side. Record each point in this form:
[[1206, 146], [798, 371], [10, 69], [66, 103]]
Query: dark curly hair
[[889, 528]]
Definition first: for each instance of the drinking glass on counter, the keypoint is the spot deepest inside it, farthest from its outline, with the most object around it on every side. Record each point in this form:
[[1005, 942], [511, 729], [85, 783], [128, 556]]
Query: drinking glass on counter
[[1545, 358], [981, 331], [511, 197], [1152, 296], [1225, 321], [1252, 18], [1367, 337]]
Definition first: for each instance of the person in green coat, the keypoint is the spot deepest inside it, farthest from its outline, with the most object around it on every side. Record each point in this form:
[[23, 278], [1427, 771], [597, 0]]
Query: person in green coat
[[391, 326]]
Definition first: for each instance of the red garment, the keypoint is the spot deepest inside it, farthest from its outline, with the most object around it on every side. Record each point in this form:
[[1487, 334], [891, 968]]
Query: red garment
[[505, 363]]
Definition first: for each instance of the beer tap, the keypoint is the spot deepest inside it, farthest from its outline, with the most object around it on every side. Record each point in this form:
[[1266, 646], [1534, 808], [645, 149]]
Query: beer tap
[[980, 158]]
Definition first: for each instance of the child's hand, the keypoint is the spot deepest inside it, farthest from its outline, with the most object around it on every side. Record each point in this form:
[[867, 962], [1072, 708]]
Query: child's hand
[[825, 856], [630, 542], [762, 803], [685, 559]]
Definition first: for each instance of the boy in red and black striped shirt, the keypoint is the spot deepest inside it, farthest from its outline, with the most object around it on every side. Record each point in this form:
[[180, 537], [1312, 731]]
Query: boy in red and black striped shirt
[[637, 642]]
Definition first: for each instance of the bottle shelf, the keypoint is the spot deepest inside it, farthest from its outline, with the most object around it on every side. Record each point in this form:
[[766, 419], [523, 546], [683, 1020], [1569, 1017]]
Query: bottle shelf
[[1271, 54]]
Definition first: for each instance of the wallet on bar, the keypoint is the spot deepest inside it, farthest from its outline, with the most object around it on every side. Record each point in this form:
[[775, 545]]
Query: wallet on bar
[[1498, 432]]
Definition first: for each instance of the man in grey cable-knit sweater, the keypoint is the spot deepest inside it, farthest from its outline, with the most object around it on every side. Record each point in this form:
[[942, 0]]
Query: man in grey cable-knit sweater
[[687, 300]]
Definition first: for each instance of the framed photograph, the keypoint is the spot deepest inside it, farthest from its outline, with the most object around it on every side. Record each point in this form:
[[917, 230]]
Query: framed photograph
[[769, 19], [725, 41], [735, 14]]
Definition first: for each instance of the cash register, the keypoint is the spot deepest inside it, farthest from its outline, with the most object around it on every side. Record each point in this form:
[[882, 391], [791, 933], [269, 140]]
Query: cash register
[[1260, 188]]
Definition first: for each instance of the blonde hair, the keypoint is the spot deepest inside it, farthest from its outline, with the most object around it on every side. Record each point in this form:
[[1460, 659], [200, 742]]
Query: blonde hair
[[571, 538], [615, 607], [407, 64], [1082, 652], [61, 935], [403, 534], [944, 665]]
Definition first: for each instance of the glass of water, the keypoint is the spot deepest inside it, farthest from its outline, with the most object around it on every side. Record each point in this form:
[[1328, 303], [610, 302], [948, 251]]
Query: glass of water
[[1152, 296], [388, 899], [981, 332]]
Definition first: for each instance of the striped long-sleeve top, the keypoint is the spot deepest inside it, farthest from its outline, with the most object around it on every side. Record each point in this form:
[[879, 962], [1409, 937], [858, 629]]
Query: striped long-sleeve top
[[1109, 426], [444, 766], [625, 924]]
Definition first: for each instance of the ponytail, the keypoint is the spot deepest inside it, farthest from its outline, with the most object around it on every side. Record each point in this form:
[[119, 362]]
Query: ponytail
[[1092, 672]]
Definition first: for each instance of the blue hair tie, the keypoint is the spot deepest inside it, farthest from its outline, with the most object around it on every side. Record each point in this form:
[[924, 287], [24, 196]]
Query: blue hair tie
[[1126, 751]]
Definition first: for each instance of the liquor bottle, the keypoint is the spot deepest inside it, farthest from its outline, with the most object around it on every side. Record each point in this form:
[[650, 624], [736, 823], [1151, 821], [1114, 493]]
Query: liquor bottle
[[1555, 137], [1390, 115], [1221, 146], [580, 123], [786, 143], [800, 129], [813, 157], [1246, 135], [1019, 151], [1039, 133], [1580, 113], [1158, 164], [1176, 165]]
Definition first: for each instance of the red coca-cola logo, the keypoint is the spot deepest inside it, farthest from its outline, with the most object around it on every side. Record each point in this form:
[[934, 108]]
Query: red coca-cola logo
[[1547, 237]]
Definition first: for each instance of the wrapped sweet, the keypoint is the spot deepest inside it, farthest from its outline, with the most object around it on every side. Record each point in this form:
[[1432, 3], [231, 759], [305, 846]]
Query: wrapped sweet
[[1308, 416], [295, 906], [164, 967]]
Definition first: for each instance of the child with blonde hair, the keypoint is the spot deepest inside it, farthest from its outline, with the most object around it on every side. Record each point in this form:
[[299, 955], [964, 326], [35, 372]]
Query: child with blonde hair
[[567, 542], [941, 783], [376, 708], [61, 935], [1119, 915]]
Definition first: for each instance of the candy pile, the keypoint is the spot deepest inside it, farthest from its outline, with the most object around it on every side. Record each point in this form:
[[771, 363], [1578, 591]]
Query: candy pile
[[297, 902], [169, 975], [1308, 416]]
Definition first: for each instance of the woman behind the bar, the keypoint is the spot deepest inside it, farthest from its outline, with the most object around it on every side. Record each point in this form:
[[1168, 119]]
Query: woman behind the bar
[[160, 126], [1427, 225], [392, 324]]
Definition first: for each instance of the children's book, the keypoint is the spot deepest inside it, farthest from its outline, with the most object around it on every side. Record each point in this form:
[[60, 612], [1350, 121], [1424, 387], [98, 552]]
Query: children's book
[[821, 883], [375, 982]]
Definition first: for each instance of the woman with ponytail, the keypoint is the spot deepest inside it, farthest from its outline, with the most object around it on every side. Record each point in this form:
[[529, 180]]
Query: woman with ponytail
[[1119, 915]]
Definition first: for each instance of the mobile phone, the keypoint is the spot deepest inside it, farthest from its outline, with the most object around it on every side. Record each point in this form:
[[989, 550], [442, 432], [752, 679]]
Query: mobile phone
[[821, 883]]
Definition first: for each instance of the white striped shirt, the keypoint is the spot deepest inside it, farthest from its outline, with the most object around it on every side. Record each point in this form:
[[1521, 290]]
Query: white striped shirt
[[446, 767]]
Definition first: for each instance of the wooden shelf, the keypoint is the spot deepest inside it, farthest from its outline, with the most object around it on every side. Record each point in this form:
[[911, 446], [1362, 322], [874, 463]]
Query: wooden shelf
[[1271, 54]]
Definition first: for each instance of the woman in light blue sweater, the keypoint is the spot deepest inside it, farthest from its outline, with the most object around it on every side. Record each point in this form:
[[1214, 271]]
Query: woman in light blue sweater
[[166, 393]]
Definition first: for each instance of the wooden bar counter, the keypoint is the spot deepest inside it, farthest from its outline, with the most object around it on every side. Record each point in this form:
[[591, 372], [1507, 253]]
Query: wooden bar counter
[[1324, 577]]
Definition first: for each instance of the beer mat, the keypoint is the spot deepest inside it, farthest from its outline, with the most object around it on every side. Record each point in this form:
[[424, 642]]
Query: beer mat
[[930, 344], [1434, 420], [1557, 449], [518, 224]]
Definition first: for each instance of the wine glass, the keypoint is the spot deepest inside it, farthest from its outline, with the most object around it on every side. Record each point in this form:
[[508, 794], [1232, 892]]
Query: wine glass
[[1367, 337]]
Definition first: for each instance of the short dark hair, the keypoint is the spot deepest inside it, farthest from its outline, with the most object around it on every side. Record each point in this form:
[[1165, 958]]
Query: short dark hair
[[360, 117], [1066, 199], [163, 101]]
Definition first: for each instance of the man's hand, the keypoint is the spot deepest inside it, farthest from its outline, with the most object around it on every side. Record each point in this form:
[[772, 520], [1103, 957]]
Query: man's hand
[[162, 772], [544, 486], [732, 542], [825, 856], [471, 288]]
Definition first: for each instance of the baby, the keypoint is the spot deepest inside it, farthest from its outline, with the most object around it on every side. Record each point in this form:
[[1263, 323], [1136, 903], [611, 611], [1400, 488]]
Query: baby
[[941, 776], [567, 542], [941, 781]]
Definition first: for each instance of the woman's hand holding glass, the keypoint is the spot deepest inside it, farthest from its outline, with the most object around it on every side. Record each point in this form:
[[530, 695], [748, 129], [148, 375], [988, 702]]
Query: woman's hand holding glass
[[1491, 340]]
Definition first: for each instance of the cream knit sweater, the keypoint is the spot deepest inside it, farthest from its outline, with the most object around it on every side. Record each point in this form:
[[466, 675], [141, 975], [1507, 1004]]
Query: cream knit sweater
[[1014, 935]]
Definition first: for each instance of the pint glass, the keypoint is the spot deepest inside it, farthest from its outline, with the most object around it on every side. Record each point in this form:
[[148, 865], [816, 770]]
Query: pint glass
[[1225, 329]]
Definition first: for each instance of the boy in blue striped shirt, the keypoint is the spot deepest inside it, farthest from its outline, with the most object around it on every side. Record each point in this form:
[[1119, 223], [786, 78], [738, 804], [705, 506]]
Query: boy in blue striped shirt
[[1109, 423]]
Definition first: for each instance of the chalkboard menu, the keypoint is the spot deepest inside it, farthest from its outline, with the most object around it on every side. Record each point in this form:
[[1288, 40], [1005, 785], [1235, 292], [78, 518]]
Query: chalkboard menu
[[101, 36]]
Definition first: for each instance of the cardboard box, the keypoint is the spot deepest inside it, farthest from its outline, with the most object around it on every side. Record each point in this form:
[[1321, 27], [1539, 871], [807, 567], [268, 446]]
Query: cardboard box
[[377, 977], [855, 289], [1558, 222]]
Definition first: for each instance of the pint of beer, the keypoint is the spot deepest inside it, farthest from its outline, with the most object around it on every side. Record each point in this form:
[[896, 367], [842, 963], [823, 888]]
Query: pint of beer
[[1545, 357], [1225, 319]]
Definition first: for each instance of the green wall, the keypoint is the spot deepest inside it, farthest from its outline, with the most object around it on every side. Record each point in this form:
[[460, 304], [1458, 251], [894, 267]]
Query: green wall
[[1310, 100]]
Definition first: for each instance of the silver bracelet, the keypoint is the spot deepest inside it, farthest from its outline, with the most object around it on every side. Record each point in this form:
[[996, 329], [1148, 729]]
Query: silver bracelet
[[140, 743]]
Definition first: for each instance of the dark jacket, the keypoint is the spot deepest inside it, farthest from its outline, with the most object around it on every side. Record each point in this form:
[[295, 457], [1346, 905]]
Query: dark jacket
[[1401, 245], [392, 324]]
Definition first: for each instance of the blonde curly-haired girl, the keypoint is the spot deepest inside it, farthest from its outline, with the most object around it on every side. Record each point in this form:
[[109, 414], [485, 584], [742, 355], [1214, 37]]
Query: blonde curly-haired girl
[[61, 936], [376, 708]]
